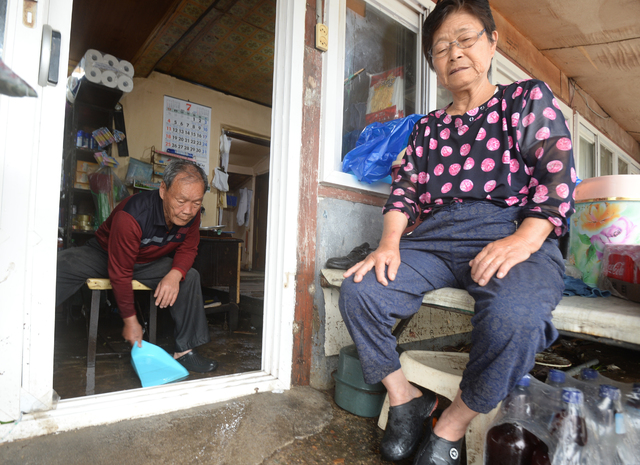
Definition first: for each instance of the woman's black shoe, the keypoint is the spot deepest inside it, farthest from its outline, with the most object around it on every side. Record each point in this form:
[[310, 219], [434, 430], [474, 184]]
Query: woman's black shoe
[[356, 255], [404, 426], [438, 451]]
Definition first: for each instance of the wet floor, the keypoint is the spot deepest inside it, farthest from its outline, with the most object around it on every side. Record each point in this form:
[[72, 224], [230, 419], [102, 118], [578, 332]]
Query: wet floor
[[236, 352]]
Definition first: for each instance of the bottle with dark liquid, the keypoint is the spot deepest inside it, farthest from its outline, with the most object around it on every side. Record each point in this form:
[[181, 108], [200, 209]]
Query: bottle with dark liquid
[[569, 428], [509, 443]]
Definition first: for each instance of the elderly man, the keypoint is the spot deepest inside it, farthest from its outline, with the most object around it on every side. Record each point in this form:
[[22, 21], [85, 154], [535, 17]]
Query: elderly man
[[151, 237]]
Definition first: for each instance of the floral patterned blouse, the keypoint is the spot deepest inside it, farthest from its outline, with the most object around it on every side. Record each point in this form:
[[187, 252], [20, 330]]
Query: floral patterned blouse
[[514, 151]]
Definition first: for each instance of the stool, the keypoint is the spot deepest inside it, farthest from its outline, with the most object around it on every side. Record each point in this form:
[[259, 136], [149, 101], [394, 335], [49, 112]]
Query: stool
[[101, 284], [441, 372]]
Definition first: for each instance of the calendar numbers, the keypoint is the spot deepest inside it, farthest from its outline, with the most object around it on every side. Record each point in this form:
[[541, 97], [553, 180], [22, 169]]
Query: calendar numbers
[[186, 129]]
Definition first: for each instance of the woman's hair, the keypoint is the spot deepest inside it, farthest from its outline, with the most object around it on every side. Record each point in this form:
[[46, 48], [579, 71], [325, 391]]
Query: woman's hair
[[193, 173], [478, 8]]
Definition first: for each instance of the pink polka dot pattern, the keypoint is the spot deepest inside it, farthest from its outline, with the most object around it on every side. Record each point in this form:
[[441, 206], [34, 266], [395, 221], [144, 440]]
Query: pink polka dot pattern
[[514, 150]]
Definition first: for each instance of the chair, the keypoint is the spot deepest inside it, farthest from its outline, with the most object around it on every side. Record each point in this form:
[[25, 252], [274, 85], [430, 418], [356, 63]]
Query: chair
[[101, 284], [441, 372]]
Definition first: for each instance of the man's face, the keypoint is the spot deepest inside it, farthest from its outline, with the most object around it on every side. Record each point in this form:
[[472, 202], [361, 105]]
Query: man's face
[[182, 201]]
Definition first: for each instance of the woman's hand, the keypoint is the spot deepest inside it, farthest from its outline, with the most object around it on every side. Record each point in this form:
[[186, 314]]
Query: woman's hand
[[500, 256], [387, 253], [383, 256]]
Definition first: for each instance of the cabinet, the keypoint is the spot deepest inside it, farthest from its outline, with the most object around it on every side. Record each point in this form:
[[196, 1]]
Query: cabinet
[[93, 108]]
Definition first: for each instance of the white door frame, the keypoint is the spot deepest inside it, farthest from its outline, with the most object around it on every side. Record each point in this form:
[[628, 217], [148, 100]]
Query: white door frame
[[28, 269]]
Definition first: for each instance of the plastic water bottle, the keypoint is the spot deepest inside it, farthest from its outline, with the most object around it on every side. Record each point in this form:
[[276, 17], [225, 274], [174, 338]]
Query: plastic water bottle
[[611, 426], [509, 443], [569, 428], [632, 406], [556, 378]]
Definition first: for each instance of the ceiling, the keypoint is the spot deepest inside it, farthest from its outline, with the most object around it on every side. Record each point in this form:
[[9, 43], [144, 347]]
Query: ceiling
[[228, 45]]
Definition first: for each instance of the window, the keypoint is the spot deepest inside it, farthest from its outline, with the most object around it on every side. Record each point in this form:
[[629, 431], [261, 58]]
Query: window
[[380, 71], [374, 71], [596, 155]]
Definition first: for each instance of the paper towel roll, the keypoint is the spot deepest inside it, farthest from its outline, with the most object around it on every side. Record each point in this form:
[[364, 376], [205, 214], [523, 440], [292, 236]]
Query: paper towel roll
[[125, 83], [126, 68], [93, 74], [93, 55], [109, 79], [111, 60]]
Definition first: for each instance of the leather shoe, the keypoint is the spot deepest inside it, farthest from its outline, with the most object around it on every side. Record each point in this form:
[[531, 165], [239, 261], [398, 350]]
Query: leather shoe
[[438, 451], [193, 361], [404, 426], [356, 255]]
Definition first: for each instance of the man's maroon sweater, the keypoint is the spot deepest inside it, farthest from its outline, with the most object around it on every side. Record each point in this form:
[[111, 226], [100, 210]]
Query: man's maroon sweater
[[136, 232]]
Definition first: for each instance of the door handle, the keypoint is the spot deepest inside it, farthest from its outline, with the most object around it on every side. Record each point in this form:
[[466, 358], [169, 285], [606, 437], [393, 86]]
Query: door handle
[[49, 57]]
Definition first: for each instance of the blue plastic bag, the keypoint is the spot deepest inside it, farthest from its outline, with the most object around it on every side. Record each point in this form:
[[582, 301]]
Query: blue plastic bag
[[377, 148]]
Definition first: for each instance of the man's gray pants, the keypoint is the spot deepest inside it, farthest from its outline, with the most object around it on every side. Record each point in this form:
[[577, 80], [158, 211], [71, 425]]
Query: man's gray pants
[[77, 264]]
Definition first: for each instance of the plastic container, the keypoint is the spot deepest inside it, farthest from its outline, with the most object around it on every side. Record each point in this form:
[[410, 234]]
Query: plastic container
[[352, 393], [138, 171]]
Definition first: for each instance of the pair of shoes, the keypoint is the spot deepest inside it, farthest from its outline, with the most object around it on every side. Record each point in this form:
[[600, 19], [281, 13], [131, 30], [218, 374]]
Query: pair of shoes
[[438, 451], [404, 426], [193, 361], [356, 255]]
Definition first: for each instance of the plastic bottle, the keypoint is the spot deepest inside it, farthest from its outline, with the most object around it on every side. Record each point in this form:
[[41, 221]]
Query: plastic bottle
[[569, 428], [556, 378], [510, 443], [611, 428], [79, 138], [632, 406]]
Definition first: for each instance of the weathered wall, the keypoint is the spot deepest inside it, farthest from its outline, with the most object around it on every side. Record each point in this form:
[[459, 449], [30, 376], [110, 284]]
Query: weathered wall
[[143, 109], [341, 226]]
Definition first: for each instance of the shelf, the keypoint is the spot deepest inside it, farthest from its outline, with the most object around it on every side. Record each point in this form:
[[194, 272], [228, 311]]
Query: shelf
[[97, 95], [77, 190], [84, 233]]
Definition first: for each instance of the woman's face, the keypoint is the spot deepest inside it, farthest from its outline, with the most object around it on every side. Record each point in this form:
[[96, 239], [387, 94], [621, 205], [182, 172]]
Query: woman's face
[[462, 69]]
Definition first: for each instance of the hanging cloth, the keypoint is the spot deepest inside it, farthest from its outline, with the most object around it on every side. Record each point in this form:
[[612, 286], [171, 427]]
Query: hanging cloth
[[225, 146], [244, 207], [220, 180]]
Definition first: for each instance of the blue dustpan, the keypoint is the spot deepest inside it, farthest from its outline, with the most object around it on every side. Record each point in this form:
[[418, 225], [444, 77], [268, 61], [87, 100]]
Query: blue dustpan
[[155, 366]]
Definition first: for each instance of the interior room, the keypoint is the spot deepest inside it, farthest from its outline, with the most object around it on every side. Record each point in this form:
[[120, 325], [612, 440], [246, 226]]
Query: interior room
[[209, 63]]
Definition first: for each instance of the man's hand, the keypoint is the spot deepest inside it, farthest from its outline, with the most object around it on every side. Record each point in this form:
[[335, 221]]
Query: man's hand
[[132, 331], [167, 291], [500, 256]]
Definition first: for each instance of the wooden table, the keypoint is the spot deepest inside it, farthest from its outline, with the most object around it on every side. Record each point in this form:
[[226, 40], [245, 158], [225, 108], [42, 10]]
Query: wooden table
[[218, 262]]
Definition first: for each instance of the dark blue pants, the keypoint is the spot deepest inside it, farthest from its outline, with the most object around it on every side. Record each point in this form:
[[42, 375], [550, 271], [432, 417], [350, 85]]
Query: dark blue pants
[[512, 320]]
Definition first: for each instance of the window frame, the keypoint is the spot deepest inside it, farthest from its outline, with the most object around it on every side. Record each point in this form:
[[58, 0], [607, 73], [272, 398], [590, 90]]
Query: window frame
[[402, 11], [589, 132]]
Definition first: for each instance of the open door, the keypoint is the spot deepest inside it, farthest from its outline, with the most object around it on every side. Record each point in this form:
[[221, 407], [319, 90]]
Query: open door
[[260, 222]]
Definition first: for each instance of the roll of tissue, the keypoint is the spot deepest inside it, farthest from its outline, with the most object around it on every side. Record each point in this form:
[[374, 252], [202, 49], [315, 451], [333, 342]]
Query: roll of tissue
[[125, 67], [93, 74], [110, 60], [125, 83], [109, 79], [92, 55]]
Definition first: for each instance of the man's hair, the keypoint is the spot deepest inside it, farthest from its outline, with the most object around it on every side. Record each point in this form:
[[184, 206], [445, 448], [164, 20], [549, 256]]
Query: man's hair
[[478, 8], [192, 171]]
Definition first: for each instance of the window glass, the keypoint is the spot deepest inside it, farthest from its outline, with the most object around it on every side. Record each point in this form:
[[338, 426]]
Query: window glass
[[606, 161], [379, 72], [586, 165], [623, 166]]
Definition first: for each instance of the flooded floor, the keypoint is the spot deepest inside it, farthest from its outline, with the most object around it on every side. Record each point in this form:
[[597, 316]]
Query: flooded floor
[[239, 351]]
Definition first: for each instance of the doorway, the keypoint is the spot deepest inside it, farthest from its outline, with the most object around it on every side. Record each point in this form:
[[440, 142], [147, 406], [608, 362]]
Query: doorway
[[29, 332], [191, 70]]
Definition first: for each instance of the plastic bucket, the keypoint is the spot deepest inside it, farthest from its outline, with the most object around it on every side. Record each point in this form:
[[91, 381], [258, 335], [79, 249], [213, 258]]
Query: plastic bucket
[[352, 393]]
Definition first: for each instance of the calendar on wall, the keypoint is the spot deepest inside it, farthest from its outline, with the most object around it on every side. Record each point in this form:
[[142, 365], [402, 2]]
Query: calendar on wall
[[187, 130]]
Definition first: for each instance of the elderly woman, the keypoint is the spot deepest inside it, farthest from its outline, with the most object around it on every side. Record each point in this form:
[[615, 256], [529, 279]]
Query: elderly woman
[[485, 188]]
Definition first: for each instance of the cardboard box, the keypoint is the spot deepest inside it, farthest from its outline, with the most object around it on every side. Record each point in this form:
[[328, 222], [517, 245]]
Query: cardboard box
[[87, 167], [82, 177], [81, 185], [620, 271]]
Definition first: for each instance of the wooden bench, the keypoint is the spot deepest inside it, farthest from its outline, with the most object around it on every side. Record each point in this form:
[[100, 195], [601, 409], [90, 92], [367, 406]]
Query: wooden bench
[[610, 320]]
